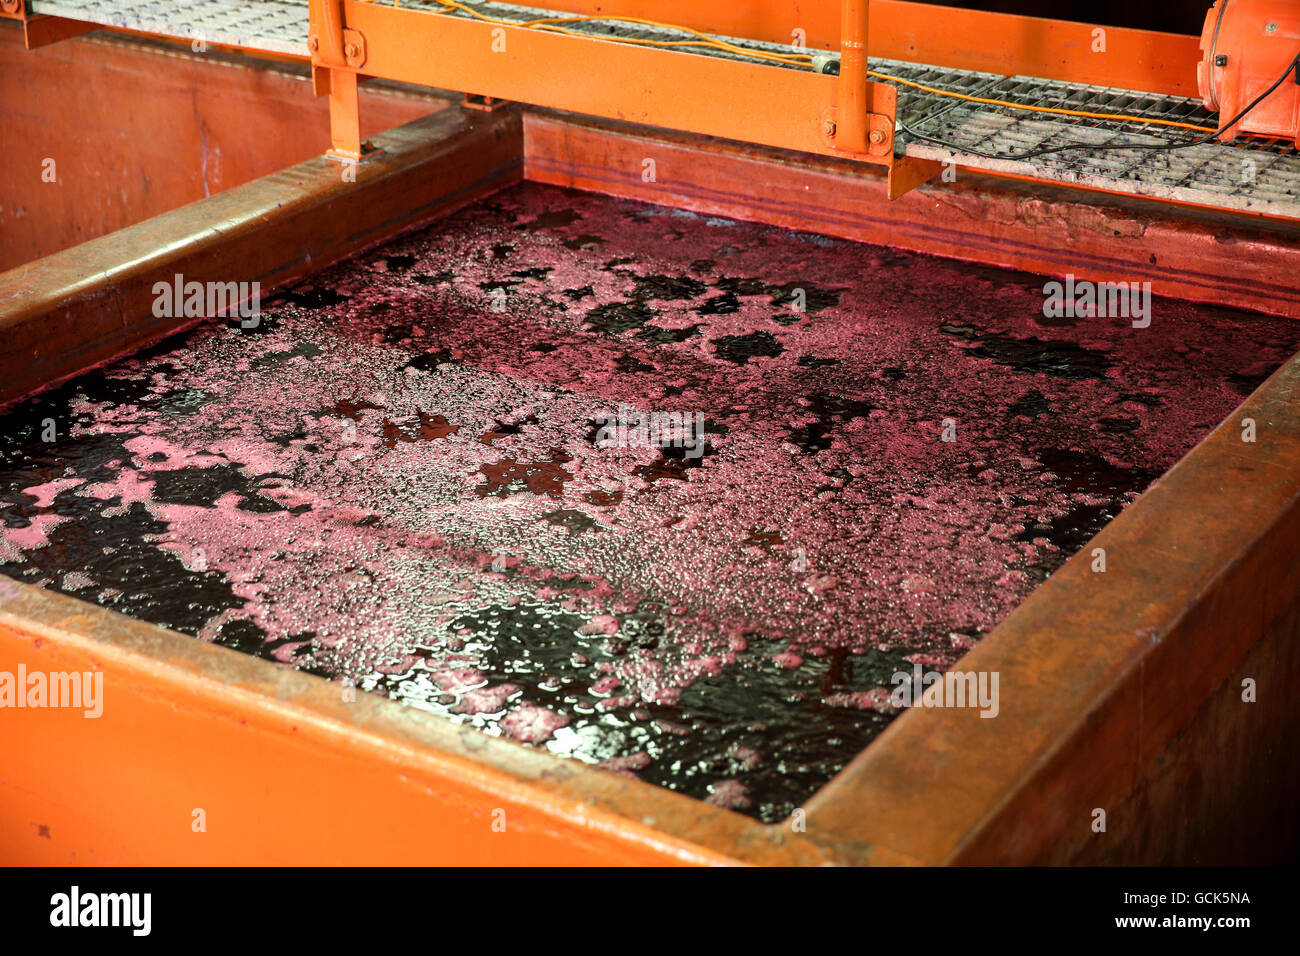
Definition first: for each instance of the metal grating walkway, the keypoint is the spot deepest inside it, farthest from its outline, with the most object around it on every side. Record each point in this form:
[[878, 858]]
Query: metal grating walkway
[[1255, 175], [1261, 176], [276, 26]]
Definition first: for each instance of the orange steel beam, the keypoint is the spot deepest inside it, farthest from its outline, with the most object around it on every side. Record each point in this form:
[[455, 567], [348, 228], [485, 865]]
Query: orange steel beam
[[852, 105], [435, 56], [767, 105], [1146, 60], [40, 29], [325, 39], [345, 116], [337, 53]]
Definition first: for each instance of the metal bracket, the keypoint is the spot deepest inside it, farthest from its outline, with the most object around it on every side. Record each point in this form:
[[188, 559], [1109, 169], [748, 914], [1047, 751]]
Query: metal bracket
[[330, 43], [487, 104], [369, 152], [908, 172], [337, 55], [880, 134], [41, 29], [354, 49]]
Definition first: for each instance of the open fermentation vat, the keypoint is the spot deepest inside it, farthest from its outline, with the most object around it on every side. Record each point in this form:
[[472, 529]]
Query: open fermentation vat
[[1116, 689]]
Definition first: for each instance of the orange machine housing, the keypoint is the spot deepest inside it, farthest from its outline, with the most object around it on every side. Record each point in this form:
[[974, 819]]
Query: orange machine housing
[[1245, 46]]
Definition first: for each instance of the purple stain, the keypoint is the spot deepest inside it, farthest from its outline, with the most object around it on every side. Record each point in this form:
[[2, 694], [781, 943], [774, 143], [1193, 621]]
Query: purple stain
[[393, 480]]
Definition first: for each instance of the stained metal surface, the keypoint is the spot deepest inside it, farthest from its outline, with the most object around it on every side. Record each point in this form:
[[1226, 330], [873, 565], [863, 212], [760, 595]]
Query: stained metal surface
[[78, 102], [96, 300], [1205, 256]]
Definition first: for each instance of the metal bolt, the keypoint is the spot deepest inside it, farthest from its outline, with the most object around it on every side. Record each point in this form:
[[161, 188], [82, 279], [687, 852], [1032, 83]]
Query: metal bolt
[[829, 128], [1221, 59], [1270, 28], [351, 50], [313, 43], [877, 136]]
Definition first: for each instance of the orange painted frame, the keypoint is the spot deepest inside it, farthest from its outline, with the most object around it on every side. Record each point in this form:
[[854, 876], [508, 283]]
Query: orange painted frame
[[41, 29], [1147, 60], [765, 105]]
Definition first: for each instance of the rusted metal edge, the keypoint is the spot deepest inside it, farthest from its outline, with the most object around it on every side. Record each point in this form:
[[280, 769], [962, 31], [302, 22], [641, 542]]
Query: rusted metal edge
[[66, 312], [367, 758], [1098, 671], [762, 102], [1221, 258]]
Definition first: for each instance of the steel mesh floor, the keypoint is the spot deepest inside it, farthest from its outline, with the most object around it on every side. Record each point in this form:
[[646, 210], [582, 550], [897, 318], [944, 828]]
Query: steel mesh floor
[[277, 26], [1261, 176], [1256, 175]]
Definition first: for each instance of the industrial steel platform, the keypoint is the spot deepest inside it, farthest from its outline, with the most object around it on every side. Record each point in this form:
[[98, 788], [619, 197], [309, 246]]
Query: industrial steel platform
[[1251, 175], [274, 26]]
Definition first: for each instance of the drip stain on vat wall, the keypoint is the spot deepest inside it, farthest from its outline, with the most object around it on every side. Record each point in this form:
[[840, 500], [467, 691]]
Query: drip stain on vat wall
[[403, 477]]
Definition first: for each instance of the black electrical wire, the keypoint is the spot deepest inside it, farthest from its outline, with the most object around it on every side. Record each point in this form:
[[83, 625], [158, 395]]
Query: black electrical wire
[[1179, 144]]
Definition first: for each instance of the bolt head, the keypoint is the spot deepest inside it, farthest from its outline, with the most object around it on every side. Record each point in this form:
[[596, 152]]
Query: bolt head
[[877, 136], [351, 50], [1270, 28], [829, 127], [313, 43]]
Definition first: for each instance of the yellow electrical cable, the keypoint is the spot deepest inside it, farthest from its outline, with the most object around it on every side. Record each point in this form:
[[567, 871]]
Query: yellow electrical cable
[[551, 25]]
